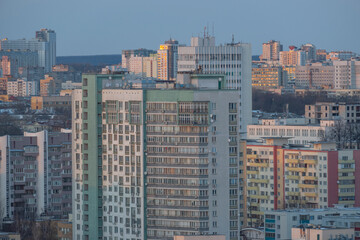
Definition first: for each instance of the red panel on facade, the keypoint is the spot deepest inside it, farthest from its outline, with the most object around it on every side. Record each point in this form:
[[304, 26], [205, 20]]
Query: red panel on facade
[[357, 177], [332, 175]]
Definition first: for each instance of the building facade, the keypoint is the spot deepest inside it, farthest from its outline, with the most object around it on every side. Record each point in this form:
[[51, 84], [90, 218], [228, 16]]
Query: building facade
[[348, 112], [347, 74], [44, 44], [12, 60], [168, 60], [315, 75], [232, 60], [152, 161], [22, 88], [271, 50], [36, 175], [127, 54], [295, 134], [267, 77], [293, 57], [285, 177], [278, 224]]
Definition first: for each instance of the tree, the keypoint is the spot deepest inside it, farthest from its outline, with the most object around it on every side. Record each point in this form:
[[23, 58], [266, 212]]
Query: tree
[[344, 134]]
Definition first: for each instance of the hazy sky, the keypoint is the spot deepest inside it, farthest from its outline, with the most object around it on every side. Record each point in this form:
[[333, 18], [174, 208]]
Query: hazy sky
[[86, 27]]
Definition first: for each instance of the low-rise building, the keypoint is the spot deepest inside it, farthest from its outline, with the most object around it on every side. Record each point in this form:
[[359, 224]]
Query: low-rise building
[[278, 224], [348, 112], [69, 85], [321, 233], [201, 237], [296, 131], [51, 102], [9, 236]]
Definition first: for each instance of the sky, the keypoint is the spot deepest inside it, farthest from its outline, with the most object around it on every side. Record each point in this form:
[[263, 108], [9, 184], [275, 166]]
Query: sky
[[89, 27]]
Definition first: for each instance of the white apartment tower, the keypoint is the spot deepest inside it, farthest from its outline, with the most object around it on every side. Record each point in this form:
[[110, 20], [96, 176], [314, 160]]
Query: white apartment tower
[[232, 60], [154, 163]]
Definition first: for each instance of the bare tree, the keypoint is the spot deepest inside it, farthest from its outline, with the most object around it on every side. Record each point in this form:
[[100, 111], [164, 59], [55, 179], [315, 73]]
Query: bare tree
[[344, 134]]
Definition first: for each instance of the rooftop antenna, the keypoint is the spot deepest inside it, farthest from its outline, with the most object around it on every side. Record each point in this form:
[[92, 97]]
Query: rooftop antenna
[[233, 39], [207, 28], [213, 31], [204, 31]]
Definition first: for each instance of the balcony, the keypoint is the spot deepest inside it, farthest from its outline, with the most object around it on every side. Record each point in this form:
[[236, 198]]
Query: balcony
[[252, 172], [346, 177], [307, 186], [347, 161], [346, 194], [310, 194], [259, 180], [253, 164], [256, 212], [347, 186], [293, 177], [293, 193], [265, 197], [351, 202], [346, 170], [296, 169], [253, 188], [309, 178], [310, 161], [292, 160]]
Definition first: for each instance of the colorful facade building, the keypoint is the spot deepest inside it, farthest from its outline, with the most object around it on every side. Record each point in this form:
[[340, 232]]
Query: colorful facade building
[[283, 177]]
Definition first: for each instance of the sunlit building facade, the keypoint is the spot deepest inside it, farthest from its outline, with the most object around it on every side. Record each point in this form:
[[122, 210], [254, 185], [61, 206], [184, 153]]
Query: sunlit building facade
[[155, 163], [267, 77], [280, 177], [168, 60]]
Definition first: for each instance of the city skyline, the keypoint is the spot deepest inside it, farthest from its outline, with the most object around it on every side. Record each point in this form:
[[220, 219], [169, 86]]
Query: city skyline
[[333, 26]]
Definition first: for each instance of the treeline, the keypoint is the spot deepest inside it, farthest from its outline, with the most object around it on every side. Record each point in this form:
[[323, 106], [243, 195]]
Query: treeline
[[270, 102]]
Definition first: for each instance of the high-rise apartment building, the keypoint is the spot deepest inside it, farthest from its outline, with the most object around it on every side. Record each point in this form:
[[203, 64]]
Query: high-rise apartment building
[[154, 163], [44, 44], [35, 175], [271, 50], [293, 57], [22, 88], [233, 60], [310, 52], [127, 54], [347, 74], [145, 66], [168, 60], [321, 55], [283, 177]]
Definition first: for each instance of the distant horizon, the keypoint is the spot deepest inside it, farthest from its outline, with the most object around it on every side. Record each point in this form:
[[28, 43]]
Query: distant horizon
[[90, 27]]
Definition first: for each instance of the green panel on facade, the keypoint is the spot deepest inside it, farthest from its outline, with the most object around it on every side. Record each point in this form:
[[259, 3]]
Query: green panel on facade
[[169, 95]]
